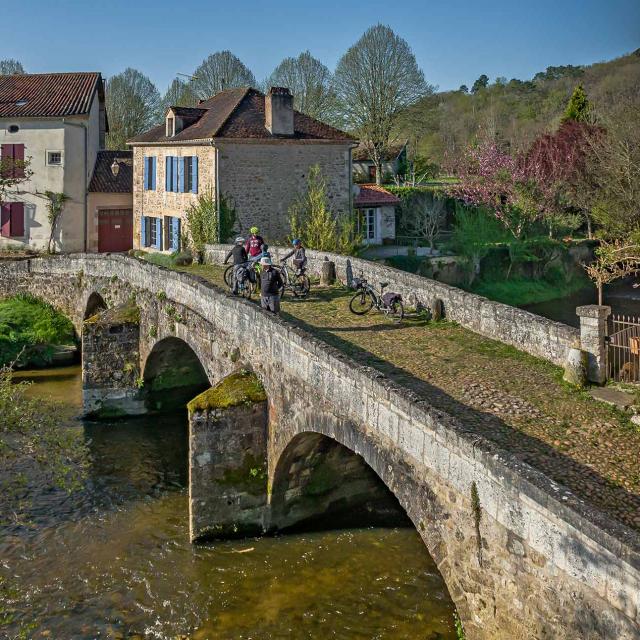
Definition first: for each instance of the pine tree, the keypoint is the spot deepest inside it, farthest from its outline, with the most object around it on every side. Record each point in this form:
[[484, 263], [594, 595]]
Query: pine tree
[[579, 106]]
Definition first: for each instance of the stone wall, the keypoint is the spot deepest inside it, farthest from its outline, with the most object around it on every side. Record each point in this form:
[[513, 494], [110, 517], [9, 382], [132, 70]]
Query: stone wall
[[264, 179], [524, 330], [527, 560]]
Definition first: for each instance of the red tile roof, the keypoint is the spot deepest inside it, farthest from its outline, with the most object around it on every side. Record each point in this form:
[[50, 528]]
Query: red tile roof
[[48, 94], [239, 114], [103, 180], [373, 195]]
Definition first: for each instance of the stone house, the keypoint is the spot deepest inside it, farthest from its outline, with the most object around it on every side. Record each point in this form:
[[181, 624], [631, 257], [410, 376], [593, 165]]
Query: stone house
[[364, 169], [252, 149], [56, 121], [377, 213]]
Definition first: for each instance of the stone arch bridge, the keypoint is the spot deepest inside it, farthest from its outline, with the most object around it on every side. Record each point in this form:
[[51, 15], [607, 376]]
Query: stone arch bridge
[[521, 557]]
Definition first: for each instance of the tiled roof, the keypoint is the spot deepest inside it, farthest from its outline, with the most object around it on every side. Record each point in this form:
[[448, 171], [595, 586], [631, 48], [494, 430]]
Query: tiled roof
[[103, 180], [188, 112], [239, 114], [48, 94], [373, 195], [362, 154]]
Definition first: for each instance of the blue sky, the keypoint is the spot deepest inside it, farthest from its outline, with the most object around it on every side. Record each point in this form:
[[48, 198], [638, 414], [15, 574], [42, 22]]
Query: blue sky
[[454, 41]]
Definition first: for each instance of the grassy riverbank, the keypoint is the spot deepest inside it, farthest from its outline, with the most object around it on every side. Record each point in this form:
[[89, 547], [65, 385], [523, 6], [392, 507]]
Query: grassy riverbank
[[31, 332]]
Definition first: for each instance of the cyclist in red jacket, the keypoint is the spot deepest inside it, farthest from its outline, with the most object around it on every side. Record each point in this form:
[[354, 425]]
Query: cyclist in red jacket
[[254, 243]]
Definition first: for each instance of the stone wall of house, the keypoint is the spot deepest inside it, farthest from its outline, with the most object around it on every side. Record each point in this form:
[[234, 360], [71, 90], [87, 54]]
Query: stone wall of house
[[526, 331], [522, 556], [263, 180], [159, 202]]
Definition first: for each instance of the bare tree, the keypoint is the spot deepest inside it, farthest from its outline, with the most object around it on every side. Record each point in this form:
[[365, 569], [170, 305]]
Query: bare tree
[[133, 105], [423, 216], [11, 67], [374, 80], [179, 94], [310, 82], [221, 70]]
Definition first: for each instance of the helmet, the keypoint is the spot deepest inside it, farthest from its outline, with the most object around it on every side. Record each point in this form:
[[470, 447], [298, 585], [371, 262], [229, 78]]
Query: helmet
[[254, 230], [239, 240], [296, 241], [265, 260]]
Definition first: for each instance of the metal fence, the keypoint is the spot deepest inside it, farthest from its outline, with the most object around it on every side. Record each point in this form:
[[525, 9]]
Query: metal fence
[[624, 348]]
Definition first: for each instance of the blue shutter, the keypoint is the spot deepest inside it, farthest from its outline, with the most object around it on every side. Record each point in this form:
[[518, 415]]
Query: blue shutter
[[175, 234], [194, 174], [143, 231], [174, 174], [158, 223], [154, 167], [146, 173], [167, 173], [181, 175]]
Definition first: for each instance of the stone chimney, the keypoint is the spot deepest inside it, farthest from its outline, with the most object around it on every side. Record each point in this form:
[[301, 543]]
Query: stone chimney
[[278, 111]]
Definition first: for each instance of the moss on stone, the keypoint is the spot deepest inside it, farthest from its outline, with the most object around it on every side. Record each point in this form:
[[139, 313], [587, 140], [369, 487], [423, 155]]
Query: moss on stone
[[128, 313], [250, 476], [242, 387]]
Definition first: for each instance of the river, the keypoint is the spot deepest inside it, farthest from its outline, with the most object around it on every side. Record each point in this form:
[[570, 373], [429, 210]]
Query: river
[[114, 560]]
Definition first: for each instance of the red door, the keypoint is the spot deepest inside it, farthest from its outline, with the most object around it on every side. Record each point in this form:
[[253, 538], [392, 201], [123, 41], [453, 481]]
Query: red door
[[115, 230]]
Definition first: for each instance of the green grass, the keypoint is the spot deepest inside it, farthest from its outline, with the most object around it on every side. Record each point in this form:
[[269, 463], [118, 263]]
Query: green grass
[[29, 329], [519, 292]]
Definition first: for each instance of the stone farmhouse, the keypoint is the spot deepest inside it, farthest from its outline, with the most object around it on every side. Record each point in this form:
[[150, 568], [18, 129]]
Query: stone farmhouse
[[364, 169], [252, 149], [58, 122]]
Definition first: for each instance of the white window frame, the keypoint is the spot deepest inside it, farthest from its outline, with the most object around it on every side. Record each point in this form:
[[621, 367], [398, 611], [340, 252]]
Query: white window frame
[[371, 225], [171, 126], [54, 164]]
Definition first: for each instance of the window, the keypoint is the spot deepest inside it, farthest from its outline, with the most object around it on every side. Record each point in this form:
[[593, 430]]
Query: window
[[12, 160], [172, 233], [13, 128], [150, 166], [54, 158], [170, 127], [191, 174], [369, 224], [12, 220], [181, 174], [372, 173]]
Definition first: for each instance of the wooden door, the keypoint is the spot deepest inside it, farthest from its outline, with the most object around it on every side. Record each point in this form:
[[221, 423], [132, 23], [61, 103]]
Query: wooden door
[[115, 230]]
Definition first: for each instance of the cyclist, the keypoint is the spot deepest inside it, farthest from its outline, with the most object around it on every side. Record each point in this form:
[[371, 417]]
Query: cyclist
[[299, 256], [240, 259], [270, 286], [254, 243]]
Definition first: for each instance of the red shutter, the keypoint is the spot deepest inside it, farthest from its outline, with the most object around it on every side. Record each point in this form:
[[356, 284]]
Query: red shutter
[[17, 219], [5, 220], [6, 151], [18, 155]]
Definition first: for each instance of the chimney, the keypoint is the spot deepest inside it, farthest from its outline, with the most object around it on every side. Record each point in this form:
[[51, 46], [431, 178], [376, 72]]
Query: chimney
[[278, 111]]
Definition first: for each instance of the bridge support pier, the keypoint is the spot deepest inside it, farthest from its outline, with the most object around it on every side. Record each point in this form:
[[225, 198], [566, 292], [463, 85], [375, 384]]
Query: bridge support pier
[[111, 363], [228, 459]]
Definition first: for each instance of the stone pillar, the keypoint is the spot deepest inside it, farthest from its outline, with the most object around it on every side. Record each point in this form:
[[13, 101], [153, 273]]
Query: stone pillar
[[593, 333], [228, 459], [327, 273], [111, 363]]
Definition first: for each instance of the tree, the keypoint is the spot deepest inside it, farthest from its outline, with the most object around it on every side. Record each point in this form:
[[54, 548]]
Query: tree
[[375, 80], [614, 260], [579, 108], [310, 82], [422, 215], [463, 88], [179, 94], [10, 67], [221, 70], [133, 105], [55, 205], [481, 83], [202, 220], [315, 224]]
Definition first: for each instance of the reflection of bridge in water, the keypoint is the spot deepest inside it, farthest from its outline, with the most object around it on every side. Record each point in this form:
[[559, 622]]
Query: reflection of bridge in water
[[521, 557]]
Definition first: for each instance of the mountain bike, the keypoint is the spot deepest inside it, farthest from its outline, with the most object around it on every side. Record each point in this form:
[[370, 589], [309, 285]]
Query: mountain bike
[[366, 297], [295, 281], [246, 284]]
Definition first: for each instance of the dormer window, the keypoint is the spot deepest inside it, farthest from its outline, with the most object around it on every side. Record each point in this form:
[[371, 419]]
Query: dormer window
[[170, 127]]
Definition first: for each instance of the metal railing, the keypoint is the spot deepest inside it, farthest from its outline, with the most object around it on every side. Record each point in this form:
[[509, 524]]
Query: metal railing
[[624, 348]]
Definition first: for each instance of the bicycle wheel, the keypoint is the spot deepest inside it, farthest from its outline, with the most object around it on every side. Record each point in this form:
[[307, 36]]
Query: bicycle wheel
[[228, 276], [397, 311], [361, 303], [301, 286]]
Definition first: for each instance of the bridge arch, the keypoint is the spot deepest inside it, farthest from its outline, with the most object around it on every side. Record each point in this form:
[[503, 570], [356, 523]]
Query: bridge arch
[[319, 434], [94, 304]]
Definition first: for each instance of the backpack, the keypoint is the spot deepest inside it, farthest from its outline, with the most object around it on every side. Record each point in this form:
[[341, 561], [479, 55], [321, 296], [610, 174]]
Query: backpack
[[390, 298]]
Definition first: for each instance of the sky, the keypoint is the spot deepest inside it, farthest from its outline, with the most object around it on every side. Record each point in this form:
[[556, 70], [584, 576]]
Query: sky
[[454, 41]]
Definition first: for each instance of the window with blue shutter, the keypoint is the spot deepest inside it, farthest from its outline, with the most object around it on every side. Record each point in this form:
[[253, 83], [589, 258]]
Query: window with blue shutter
[[154, 168], [174, 174], [175, 234], [158, 225], [143, 232], [168, 167], [181, 175], [194, 174], [145, 179], [150, 173]]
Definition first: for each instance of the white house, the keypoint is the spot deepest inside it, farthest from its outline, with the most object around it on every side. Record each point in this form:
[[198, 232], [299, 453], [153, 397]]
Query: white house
[[57, 122], [377, 213]]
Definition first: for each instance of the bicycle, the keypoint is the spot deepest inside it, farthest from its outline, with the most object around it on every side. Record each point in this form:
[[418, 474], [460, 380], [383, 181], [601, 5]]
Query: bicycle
[[366, 297], [245, 283], [296, 281]]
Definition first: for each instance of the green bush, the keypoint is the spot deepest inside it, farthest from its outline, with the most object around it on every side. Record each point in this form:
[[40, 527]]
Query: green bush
[[29, 329]]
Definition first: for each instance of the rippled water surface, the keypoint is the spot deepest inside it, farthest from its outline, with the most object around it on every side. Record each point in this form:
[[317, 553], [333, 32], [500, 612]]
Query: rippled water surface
[[114, 560]]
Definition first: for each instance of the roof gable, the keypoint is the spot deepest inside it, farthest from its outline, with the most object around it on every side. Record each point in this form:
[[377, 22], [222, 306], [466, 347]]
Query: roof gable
[[103, 180], [48, 95]]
